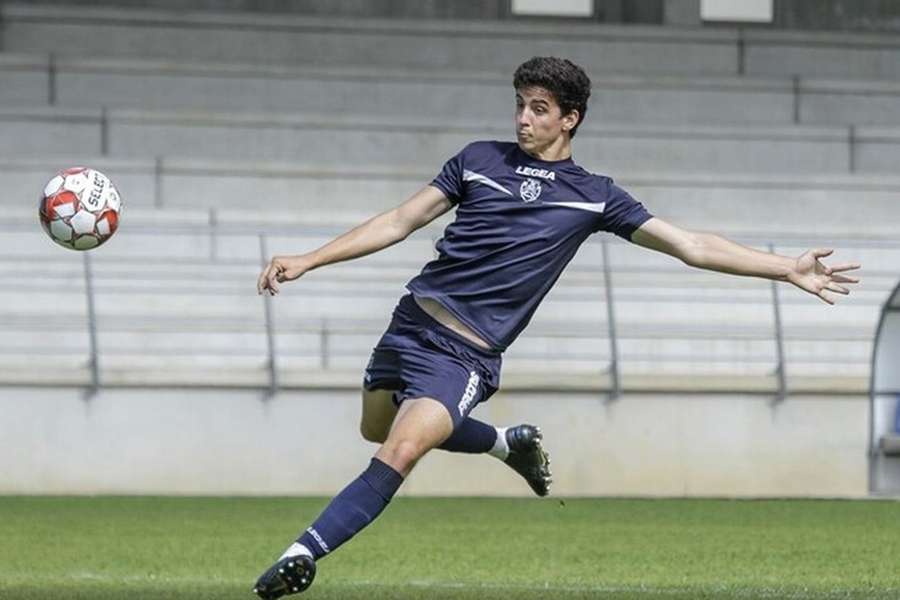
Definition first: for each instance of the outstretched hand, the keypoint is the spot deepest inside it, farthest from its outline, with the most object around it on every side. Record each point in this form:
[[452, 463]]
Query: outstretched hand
[[279, 270], [812, 275]]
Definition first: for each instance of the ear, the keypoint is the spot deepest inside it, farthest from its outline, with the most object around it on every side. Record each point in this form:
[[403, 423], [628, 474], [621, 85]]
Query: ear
[[570, 120]]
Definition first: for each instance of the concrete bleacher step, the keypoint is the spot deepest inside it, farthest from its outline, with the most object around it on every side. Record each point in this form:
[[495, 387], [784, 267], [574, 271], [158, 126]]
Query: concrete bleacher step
[[349, 141], [190, 362], [194, 306], [205, 305], [105, 31], [652, 274], [386, 91], [193, 193], [550, 326], [436, 94], [57, 268], [549, 329], [344, 141], [134, 371], [36, 131]]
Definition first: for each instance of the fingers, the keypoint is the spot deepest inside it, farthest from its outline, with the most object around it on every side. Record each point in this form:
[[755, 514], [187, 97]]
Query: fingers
[[269, 278], [825, 297], [844, 279], [820, 253], [845, 267], [273, 278], [832, 270], [838, 289], [263, 279]]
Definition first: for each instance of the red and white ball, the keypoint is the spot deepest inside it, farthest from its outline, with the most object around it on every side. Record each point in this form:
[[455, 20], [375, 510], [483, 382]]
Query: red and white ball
[[80, 208]]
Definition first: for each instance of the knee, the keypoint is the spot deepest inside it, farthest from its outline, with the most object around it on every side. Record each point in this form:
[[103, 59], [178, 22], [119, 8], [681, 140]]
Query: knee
[[402, 454], [372, 433]]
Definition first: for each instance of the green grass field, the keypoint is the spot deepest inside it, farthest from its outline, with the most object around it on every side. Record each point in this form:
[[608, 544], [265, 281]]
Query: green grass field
[[453, 548]]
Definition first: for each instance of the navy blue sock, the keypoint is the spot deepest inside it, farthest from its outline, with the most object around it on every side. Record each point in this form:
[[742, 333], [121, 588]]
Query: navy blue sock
[[472, 436], [350, 511]]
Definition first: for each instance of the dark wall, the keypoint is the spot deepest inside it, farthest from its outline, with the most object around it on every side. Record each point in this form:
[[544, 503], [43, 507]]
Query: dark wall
[[629, 11], [838, 15], [457, 9], [612, 11]]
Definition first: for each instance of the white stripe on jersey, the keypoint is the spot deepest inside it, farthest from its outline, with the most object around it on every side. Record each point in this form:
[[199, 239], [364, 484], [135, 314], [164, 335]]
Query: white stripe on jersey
[[597, 207], [478, 178]]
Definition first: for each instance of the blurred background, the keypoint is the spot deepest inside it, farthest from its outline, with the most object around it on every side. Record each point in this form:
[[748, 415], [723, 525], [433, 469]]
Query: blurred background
[[237, 129]]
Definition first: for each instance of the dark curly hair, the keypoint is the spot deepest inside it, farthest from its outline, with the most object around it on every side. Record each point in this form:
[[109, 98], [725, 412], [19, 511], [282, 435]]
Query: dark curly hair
[[567, 83]]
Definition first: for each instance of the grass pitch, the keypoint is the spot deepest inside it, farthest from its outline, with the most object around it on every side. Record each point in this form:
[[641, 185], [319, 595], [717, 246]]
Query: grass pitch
[[455, 549]]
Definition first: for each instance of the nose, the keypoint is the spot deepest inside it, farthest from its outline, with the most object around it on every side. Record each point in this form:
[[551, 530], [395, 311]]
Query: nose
[[522, 117]]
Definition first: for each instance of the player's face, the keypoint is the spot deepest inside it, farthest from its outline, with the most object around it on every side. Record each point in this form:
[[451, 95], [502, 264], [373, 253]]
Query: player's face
[[540, 123]]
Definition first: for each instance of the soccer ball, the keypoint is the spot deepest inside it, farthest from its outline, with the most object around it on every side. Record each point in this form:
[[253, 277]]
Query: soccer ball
[[80, 208]]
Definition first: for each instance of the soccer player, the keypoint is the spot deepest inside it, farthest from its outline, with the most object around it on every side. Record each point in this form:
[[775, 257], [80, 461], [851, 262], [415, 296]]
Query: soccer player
[[522, 210]]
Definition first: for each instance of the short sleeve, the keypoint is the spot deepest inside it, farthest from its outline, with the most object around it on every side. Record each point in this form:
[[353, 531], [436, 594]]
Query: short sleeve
[[450, 179], [622, 215]]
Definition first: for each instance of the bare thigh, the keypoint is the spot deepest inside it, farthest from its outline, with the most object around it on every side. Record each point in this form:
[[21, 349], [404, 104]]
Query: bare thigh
[[421, 424], [378, 412]]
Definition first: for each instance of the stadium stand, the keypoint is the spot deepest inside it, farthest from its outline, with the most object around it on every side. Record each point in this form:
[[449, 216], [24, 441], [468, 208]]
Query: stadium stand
[[214, 151]]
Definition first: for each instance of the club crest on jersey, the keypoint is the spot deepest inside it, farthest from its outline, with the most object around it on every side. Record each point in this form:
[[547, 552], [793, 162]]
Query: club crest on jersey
[[530, 190]]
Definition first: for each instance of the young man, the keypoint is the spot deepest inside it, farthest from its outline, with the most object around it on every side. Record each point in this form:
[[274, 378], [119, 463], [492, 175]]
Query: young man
[[522, 210]]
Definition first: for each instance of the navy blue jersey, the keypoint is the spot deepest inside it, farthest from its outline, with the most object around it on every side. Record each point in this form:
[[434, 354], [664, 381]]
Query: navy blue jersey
[[519, 221]]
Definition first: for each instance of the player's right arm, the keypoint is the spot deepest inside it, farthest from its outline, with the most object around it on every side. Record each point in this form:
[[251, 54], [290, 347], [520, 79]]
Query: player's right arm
[[377, 233]]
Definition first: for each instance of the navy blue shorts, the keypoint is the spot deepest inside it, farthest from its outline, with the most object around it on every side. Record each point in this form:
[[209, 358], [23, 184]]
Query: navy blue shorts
[[419, 357]]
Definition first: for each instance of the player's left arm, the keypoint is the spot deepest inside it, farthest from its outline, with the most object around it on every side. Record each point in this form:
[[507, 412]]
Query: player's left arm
[[716, 253]]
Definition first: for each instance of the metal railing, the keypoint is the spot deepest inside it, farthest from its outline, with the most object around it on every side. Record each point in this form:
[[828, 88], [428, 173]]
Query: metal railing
[[779, 338], [94, 362], [270, 328]]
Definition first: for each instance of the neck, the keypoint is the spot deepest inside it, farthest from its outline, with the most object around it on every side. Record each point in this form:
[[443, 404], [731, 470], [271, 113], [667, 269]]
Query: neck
[[558, 149]]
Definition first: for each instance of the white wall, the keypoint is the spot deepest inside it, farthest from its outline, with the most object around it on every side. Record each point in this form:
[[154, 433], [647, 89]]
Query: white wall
[[231, 442], [760, 11], [569, 8]]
